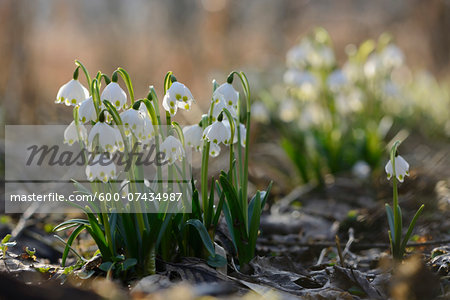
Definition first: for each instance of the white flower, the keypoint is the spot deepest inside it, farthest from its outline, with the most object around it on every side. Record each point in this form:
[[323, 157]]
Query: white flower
[[102, 168], [392, 57], [242, 132], [373, 66], [305, 81], [214, 150], [87, 112], [217, 133], [193, 136], [72, 93], [219, 105], [115, 94], [109, 138], [173, 149], [288, 110], [336, 80], [401, 168], [323, 57], [71, 135], [136, 122], [297, 56], [177, 96], [230, 95], [260, 113]]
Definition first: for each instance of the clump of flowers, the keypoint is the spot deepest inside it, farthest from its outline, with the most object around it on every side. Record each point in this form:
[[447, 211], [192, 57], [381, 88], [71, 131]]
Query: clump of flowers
[[129, 235], [337, 116]]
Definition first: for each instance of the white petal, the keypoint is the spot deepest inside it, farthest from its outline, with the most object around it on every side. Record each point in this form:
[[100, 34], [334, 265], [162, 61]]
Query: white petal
[[214, 150], [115, 94], [230, 95]]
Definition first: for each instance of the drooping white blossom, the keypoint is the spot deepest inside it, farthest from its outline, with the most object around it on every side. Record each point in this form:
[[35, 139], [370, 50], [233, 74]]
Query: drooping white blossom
[[217, 133], [115, 94], [391, 57], [72, 93], [87, 112], [109, 138], [193, 136], [297, 56], [230, 95], [337, 80], [173, 149], [71, 133], [304, 81], [138, 123], [219, 103], [401, 168], [177, 96], [102, 168]]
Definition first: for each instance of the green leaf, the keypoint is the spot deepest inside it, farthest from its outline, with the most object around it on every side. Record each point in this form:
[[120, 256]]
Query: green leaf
[[201, 229], [106, 266], [216, 261], [128, 263], [6, 239], [70, 240], [411, 226], [236, 218], [71, 223], [254, 225], [390, 216], [210, 210]]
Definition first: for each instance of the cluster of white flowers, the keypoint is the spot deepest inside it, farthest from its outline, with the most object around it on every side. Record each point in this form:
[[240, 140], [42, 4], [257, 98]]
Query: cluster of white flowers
[[219, 132], [138, 126]]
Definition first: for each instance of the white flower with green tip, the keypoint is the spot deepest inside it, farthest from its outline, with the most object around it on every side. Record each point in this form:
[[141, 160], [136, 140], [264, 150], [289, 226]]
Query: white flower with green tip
[[115, 94], [219, 103], [173, 149], [72, 93], [230, 95], [214, 150], [71, 133], [109, 138], [401, 168], [136, 122], [193, 136], [177, 96], [87, 111], [102, 168], [217, 133]]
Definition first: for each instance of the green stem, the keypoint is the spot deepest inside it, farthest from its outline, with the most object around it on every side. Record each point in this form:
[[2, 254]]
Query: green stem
[[85, 71], [126, 78]]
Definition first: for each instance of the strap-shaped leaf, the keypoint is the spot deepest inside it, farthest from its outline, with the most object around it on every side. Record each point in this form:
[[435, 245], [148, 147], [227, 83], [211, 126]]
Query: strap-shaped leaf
[[411, 226], [237, 220], [69, 242], [201, 229], [390, 216], [70, 223], [254, 225]]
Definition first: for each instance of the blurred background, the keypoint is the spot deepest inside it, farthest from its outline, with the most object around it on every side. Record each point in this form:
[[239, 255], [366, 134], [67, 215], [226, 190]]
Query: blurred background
[[197, 39]]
